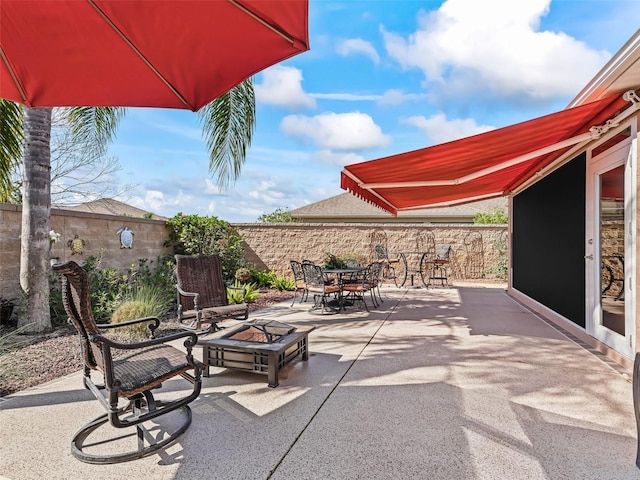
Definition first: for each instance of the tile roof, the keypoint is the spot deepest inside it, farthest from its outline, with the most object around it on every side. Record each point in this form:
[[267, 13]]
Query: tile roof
[[109, 206], [348, 206]]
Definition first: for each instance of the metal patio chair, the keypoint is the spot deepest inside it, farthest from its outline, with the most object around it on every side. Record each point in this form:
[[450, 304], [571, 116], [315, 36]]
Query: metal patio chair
[[298, 278], [366, 283], [317, 284], [131, 373], [439, 266], [202, 293], [388, 264]]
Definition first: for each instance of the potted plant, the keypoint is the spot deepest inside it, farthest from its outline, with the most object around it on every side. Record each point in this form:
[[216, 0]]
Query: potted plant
[[332, 261], [243, 275]]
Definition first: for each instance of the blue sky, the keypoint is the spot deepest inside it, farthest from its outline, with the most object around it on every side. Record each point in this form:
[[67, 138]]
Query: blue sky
[[382, 77]]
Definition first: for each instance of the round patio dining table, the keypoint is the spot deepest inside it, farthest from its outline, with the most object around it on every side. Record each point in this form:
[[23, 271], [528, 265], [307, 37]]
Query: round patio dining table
[[340, 274]]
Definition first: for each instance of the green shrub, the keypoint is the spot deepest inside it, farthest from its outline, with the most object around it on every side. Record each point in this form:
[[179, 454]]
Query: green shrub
[[157, 274], [252, 293], [495, 217], [264, 278], [279, 215], [196, 235], [501, 267], [110, 287], [145, 302], [283, 283]]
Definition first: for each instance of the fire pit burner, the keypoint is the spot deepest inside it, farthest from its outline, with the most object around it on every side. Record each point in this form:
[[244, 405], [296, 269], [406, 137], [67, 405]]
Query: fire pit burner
[[262, 331]]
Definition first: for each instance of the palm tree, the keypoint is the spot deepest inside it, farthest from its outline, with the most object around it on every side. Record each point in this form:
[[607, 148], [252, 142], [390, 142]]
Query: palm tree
[[228, 124]]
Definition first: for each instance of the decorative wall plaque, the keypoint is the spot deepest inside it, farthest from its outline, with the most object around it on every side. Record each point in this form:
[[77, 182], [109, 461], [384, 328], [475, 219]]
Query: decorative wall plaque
[[76, 245], [126, 237]]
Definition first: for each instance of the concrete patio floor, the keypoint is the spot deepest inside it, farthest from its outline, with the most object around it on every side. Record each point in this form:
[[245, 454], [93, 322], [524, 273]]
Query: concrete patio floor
[[446, 383]]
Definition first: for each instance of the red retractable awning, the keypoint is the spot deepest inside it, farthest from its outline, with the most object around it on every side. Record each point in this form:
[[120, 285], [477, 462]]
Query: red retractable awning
[[487, 165]]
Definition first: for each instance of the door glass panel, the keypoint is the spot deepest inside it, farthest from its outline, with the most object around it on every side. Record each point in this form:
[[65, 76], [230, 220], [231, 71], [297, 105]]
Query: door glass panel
[[612, 249]]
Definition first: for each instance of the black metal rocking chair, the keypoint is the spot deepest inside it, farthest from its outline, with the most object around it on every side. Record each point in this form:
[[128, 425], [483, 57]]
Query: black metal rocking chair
[[130, 371]]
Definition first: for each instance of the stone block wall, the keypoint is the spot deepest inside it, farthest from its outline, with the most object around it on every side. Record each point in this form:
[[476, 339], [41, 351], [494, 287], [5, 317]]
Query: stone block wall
[[475, 248], [98, 232]]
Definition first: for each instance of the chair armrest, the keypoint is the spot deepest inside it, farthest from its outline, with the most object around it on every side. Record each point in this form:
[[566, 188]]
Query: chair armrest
[[192, 339], [105, 326], [186, 294], [155, 320], [196, 296]]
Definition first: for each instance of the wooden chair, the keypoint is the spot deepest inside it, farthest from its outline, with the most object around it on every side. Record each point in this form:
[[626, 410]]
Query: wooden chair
[[131, 371], [202, 293]]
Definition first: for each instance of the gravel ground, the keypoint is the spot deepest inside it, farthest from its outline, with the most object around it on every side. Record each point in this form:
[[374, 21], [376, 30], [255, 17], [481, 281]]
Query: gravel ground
[[41, 358]]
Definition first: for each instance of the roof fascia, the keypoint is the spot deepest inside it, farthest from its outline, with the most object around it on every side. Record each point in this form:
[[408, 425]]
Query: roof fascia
[[600, 84]]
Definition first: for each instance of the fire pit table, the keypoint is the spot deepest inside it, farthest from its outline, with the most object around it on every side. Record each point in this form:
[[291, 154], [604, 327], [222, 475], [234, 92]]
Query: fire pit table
[[261, 346]]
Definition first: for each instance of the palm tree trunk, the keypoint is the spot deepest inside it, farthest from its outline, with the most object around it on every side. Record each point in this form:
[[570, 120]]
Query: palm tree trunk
[[36, 220]]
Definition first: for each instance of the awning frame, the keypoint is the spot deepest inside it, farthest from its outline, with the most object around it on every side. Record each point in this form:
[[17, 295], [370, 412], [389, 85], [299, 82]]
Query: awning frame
[[617, 125]]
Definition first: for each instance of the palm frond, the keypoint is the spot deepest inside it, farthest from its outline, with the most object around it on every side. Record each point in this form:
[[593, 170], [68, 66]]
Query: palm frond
[[11, 144], [95, 125], [227, 126]]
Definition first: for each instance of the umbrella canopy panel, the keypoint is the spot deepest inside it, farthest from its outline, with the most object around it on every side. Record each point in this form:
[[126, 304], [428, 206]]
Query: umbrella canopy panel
[[482, 166], [174, 54]]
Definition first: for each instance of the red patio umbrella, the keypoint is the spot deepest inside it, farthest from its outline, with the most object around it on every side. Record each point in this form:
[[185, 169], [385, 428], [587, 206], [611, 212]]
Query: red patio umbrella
[[173, 53]]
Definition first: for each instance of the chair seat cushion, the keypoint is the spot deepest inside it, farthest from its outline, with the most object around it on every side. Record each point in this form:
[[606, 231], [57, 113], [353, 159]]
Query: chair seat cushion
[[352, 287], [141, 369], [326, 289]]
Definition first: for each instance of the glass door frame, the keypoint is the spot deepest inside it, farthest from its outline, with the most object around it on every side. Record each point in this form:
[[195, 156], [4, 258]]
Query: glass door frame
[[623, 153]]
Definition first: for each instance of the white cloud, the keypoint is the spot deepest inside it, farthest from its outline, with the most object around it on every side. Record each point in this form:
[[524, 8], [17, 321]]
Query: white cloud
[[358, 46], [395, 97], [336, 131], [334, 158], [211, 188], [282, 86], [347, 97], [161, 203], [495, 45], [441, 130]]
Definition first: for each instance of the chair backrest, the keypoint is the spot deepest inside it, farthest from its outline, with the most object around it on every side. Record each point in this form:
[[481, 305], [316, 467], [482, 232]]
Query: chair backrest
[[76, 298], [313, 275], [351, 262], [376, 273], [296, 267], [426, 243], [443, 252], [381, 252], [201, 274], [377, 237]]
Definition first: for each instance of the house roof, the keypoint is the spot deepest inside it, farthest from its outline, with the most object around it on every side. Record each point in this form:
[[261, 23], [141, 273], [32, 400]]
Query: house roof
[[109, 206], [346, 207]]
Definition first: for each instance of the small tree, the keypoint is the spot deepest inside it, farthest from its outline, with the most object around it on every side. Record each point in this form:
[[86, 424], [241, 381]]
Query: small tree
[[277, 216], [196, 235]]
